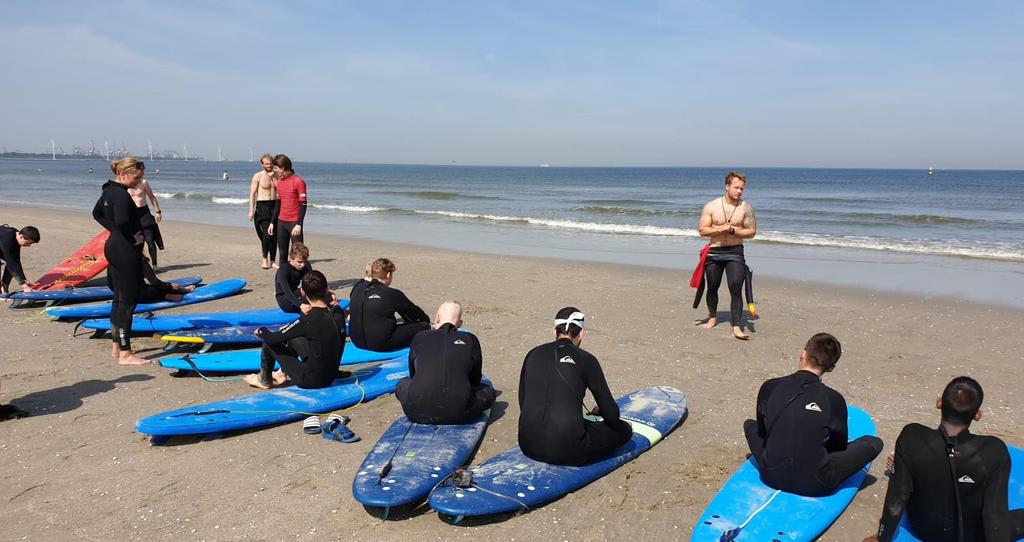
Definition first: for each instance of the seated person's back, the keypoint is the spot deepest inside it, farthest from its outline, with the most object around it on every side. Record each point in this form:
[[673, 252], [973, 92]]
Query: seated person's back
[[309, 350], [372, 309], [552, 384], [799, 439], [445, 373], [288, 277], [922, 482]]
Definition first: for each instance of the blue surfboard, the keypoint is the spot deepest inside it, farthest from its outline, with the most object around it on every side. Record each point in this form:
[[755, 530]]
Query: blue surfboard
[[275, 406], [166, 323], [511, 481], [78, 295], [173, 322], [202, 294], [766, 514], [240, 361], [1015, 495], [420, 455]]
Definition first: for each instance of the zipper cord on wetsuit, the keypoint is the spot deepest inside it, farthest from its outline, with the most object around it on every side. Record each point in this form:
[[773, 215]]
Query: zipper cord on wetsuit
[[950, 455], [559, 372]]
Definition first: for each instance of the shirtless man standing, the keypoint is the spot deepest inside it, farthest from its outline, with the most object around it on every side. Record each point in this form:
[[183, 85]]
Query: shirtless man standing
[[262, 196], [727, 221], [150, 230]]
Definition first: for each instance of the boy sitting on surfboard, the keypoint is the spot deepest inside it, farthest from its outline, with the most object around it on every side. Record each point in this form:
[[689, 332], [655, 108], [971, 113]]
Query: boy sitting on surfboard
[[799, 440], [445, 385], [949, 481], [554, 379], [309, 349], [374, 304]]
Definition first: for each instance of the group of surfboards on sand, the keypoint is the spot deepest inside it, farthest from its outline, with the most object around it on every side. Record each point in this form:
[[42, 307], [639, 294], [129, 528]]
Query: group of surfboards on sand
[[948, 483]]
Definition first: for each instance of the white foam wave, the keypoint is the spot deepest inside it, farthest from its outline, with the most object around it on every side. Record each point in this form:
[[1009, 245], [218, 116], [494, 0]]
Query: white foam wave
[[635, 229], [230, 201], [349, 208]]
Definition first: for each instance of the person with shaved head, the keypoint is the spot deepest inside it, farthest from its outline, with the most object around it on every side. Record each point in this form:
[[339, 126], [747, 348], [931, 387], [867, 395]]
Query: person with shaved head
[[445, 383]]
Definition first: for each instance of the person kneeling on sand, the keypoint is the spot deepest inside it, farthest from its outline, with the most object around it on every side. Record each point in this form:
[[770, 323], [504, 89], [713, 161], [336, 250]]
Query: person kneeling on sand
[[950, 482], [799, 440], [445, 370], [554, 379], [11, 243], [309, 350], [372, 309]]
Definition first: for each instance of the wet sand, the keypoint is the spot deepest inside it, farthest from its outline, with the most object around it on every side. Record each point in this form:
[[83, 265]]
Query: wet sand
[[76, 470]]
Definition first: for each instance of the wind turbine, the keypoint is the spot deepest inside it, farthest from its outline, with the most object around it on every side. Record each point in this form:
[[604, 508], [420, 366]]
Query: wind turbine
[[186, 152], [150, 151], [53, 149]]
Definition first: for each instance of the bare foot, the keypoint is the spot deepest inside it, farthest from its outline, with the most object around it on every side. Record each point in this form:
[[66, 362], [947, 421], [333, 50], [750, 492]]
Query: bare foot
[[710, 323], [128, 357], [264, 264], [738, 333], [279, 378], [274, 265], [254, 381], [115, 352]]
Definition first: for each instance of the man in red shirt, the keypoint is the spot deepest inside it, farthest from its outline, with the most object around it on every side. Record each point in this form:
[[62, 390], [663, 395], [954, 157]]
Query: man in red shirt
[[291, 204]]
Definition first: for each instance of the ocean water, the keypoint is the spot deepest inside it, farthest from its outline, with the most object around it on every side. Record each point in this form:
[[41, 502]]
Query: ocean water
[[953, 233]]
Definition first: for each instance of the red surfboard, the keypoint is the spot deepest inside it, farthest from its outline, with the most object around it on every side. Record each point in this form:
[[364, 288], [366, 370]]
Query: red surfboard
[[76, 269]]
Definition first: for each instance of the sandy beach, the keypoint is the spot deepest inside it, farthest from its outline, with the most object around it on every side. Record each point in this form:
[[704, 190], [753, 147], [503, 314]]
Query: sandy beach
[[76, 470]]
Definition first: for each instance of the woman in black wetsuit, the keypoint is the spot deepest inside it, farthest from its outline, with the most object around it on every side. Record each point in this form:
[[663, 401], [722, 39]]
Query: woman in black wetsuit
[[115, 211]]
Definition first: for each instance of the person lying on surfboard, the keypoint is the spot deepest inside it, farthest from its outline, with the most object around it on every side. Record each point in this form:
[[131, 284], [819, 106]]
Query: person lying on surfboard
[[944, 497], [554, 379], [308, 349], [445, 385], [372, 309], [799, 440], [11, 243], [154, 289]]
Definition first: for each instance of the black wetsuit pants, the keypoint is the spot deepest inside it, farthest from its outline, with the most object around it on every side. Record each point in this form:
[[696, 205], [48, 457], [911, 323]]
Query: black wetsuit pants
[[736, 272], [124, 277], [263, 216], [811, 482], [481, 398], [283, 230], [402, 337], [288, 355], [602, 439]]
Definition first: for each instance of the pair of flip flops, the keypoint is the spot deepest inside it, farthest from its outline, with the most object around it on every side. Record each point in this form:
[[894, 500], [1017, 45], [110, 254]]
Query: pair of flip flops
[[335, 427]]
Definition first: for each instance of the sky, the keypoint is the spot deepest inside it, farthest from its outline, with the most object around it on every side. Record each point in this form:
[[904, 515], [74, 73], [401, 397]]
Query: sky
[[583, 83]]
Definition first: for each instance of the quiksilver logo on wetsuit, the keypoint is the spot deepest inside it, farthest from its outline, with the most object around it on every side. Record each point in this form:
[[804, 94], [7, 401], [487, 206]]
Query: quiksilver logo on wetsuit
[[567, 359], [812, 406], [459, 341], [966, 479], [373, 296]]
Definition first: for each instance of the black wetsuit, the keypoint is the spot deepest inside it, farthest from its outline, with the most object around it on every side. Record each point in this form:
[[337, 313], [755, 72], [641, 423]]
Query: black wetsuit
[[286, 286], [922, 486], [730, 261], [372, 322], [444, 384], [799, 440], [150, 232], [115, 211], [154, 289], [10, 253], [309, 349], [552, 384], [263, 216]]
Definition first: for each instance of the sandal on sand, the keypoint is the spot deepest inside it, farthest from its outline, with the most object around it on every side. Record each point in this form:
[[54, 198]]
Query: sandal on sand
[[336, 428], [311, 426]]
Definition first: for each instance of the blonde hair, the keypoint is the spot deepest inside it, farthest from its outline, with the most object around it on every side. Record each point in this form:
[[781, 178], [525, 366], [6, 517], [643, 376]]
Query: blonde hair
[[735, 175], [127, 163], [381, 267]]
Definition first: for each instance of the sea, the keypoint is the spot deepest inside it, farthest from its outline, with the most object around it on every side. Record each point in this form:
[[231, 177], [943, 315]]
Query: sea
[[949, 234]]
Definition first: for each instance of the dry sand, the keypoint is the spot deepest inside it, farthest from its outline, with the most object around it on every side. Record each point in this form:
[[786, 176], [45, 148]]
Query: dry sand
[[75, 469]]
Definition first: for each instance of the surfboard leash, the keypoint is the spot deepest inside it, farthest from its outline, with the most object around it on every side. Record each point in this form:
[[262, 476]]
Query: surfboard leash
[[731, 534]]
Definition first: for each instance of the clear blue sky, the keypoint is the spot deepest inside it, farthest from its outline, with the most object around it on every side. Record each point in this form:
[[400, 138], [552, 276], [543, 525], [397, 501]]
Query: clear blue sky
[[860, 84]]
